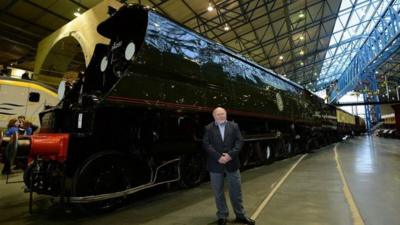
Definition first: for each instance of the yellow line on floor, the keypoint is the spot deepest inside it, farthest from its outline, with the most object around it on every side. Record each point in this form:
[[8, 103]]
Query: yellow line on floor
[[355, 213], [271, 194]]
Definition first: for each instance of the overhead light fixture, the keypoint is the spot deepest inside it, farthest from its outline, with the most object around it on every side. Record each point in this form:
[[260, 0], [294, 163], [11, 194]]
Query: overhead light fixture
[[301, 37], [77, 12], [302, 63], [226, 27], [301, 15], [281, 57], [301, 52], [210, 7]]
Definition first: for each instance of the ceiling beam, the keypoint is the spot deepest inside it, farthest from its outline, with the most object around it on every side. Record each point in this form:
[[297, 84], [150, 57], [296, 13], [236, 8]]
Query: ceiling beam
[[7, 7], [27, 46], [28, 22], [47, 10], [79, 4], [199, 18]]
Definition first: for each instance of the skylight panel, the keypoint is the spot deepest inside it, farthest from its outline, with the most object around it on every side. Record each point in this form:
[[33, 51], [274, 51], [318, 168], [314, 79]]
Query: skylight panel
[[354, 23]]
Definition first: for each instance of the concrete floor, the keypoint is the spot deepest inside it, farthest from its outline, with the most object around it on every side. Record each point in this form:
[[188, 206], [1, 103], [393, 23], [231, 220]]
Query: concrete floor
[[312, 194]]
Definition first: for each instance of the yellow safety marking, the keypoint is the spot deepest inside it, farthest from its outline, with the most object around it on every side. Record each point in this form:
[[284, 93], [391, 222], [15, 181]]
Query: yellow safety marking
[[271, 194], [355, 213], [28, 85], [272, 185]]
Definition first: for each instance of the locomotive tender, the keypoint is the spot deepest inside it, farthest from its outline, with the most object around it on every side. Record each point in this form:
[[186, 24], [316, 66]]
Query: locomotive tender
[[135, 118]]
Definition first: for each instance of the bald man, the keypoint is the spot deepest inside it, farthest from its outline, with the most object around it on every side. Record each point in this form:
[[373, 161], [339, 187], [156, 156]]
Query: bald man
[[222, 141]]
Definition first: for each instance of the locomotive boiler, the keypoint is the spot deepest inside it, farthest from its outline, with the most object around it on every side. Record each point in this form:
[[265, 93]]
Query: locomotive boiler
[[135, 117]]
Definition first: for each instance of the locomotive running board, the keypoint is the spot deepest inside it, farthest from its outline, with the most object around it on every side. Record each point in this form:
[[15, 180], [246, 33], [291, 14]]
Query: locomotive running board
[[261, 138], [94, 198]]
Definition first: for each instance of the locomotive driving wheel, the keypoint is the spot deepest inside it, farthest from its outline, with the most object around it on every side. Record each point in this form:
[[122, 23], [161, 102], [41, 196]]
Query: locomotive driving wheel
[[104, 172], [265, 152], [193, 170], [289, 148]]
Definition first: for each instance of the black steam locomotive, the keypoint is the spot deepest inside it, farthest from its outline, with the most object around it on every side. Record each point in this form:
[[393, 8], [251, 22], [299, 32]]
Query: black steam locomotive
[[135, 118]]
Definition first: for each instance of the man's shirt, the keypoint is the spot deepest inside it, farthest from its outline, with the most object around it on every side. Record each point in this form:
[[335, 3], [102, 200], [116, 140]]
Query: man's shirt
[[221, 127]]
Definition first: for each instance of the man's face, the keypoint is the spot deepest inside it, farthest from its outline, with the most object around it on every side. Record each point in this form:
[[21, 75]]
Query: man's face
[[219, 115]]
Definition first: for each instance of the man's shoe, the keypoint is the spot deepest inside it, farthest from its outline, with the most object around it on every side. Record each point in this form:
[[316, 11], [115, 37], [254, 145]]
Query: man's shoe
[[221, 221], [245, 220]]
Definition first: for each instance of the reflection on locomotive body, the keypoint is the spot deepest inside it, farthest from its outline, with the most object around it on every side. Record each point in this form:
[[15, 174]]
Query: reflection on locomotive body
[[135, 119]]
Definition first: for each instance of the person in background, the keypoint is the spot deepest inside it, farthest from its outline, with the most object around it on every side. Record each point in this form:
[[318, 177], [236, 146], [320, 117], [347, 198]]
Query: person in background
[[12, 128], [27, 128], [222, 142], [21, 127], [21, 119]]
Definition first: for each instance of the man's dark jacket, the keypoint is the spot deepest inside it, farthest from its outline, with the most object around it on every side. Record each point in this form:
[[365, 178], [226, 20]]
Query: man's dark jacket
[[214, 146]]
